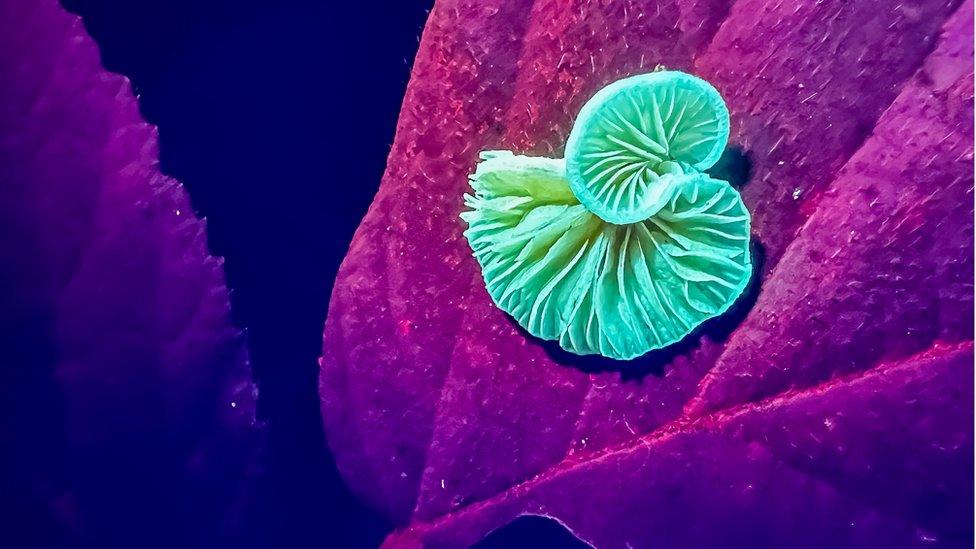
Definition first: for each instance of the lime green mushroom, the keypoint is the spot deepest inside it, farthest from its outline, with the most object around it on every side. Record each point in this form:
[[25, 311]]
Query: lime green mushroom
[[625, 246], [638, 137]]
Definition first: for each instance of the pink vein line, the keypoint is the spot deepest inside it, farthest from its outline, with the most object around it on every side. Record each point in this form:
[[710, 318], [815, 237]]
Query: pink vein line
[[686, 425]]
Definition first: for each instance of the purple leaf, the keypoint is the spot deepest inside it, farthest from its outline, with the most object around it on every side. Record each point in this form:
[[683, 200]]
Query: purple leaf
[[113, 306], [839, 411], [873, 460]]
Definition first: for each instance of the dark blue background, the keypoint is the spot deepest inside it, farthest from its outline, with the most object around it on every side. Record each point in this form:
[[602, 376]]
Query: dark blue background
[[277, 116]]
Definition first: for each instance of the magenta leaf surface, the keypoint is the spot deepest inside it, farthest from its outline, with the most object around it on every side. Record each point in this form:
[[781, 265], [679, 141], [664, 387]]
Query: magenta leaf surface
[[838, 412], [112, 308]]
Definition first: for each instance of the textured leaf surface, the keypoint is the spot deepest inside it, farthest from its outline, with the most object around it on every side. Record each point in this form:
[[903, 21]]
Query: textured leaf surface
[[111, 308], [599, 288], [838, 411], [805, 469]]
